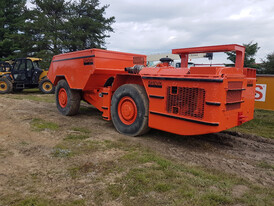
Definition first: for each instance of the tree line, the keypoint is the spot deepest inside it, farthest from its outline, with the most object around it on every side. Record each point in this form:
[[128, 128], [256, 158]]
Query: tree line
[[51, 27], [267, 65]]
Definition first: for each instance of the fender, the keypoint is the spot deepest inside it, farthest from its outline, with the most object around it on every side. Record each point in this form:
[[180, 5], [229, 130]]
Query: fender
[[7, 75], [43, 75]]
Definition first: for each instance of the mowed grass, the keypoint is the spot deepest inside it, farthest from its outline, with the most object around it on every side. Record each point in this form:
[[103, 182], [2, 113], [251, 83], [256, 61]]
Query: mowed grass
[[78, 133], [38, 124], [141, 176], [261, 125], [32, 94], [34, 201], [151, 179]]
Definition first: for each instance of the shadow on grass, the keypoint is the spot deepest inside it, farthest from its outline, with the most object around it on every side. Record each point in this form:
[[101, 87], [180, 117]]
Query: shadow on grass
[[194, 141], [29, 91], [89, 110]]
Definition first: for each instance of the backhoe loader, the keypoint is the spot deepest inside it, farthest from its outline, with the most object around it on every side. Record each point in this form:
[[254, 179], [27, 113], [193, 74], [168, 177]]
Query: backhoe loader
[[23, 73]]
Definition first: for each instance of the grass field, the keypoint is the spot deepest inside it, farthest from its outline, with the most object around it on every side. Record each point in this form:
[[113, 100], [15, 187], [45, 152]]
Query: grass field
[[32, 94], [261, 125], [136, 175], [143, 177]]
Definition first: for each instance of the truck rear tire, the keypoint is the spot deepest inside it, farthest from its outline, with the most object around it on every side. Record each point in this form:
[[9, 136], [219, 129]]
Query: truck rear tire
[[129, 110], [67, 100], [5, 85], [46, 86]]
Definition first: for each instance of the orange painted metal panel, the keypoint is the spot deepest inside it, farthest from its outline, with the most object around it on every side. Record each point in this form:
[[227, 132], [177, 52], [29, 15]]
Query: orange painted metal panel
[[226, 97], [90, 69], [240, 51]]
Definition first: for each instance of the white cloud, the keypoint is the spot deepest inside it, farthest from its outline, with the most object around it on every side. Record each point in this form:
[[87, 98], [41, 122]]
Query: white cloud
[[154, 26], [245, 13]]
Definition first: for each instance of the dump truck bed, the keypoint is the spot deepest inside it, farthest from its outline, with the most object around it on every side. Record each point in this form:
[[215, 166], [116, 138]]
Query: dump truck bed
[[90, 68]]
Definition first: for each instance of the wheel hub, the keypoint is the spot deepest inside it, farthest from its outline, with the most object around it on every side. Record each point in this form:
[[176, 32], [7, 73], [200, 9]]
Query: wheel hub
[[127, 110], [47, 86], [62, 97], [3, 86]]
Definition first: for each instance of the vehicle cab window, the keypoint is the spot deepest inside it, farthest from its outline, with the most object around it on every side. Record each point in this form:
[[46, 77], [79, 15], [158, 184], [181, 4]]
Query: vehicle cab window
[[36, 65], [16, 65], [29, 65], [19, 65]]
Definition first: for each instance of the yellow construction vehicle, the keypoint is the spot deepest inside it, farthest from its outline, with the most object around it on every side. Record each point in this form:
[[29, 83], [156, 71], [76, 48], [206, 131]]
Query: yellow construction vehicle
[[23, 73]]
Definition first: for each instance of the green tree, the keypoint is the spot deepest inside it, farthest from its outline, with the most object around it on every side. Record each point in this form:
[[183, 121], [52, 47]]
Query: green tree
[[43, 28], [11, 21], [57, 26], [86, 26], [250, 52], [268, 64]]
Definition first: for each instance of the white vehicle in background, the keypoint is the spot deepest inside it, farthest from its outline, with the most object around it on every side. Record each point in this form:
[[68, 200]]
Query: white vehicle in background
[[154, 59]]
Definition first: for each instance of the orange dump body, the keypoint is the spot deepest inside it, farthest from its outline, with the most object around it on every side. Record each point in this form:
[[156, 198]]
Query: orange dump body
[[89, 69], [185, 101]]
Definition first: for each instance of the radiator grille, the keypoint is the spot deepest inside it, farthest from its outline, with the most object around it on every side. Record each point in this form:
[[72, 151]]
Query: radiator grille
[[250, 73], [186, 101], [234, 95], [235, 85]]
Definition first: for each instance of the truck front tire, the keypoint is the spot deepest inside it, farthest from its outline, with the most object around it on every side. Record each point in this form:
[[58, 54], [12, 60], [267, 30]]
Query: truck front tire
[[129, 110], [46, 86], [5, 85], [67, 100]]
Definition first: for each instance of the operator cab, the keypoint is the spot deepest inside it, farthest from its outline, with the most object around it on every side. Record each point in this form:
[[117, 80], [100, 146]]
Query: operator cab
[[26, 71]]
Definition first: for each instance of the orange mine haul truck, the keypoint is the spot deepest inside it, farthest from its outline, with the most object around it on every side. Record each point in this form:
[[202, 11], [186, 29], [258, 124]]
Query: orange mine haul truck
[[185, 101]]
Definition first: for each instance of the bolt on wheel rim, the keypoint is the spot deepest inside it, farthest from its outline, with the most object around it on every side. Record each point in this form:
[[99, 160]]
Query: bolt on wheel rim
[[62, 97], [47, 86], [3, 86], [127, 110]]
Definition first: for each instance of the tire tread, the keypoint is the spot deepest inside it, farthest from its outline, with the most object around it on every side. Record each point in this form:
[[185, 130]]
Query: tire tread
[[9, 85], [128, 89], [41, 86], [74, 99]]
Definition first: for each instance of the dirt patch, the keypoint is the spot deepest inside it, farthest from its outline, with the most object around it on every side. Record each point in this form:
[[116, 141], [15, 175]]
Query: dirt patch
[[239, 190], [234, 153], [27, 162]]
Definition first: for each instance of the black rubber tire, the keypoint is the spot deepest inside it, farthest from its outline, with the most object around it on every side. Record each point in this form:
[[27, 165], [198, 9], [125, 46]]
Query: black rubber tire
[[73, 99], [8, 83], [43, 88], [138, 94]]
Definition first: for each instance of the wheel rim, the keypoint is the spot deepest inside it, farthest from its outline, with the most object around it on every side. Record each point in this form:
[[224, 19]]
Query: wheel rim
[[3, 86], [47, 86], [127, 110], [62, 97]]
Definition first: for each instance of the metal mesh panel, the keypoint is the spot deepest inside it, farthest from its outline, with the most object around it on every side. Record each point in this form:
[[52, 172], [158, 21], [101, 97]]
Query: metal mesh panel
[[235, 85], [186, 101], [234, 95]]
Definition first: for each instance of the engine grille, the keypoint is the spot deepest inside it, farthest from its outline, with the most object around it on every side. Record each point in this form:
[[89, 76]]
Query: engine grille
[[234, 95], [186, 101]]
